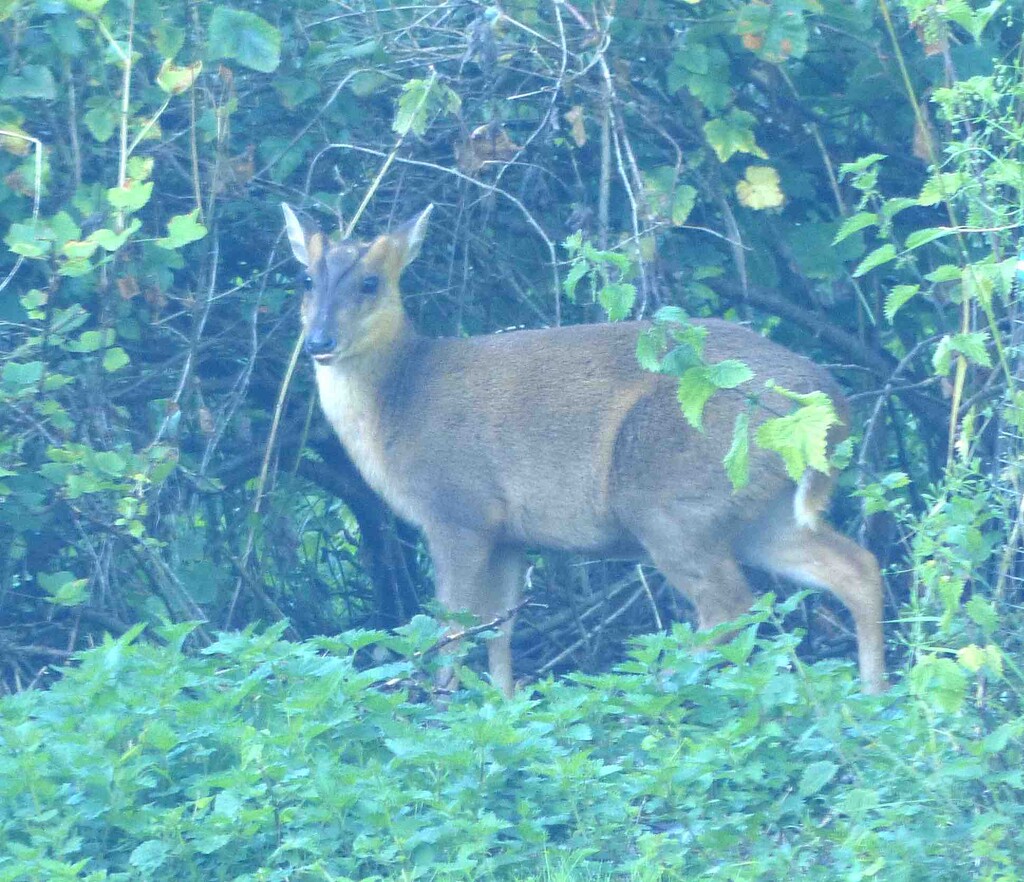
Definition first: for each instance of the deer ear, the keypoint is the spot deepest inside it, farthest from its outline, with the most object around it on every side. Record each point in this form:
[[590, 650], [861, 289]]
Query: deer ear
[[296, 235], [411, 234]]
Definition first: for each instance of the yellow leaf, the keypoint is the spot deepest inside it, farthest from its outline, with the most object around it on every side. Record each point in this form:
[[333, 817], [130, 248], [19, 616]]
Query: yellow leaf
[[574, 116], [760, 188]]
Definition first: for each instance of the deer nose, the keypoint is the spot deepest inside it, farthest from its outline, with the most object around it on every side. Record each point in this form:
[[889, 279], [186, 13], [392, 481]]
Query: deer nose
[[319, 342]]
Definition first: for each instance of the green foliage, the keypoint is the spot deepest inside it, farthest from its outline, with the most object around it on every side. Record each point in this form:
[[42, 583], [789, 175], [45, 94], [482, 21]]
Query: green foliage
[[261, 758], [244, 37]]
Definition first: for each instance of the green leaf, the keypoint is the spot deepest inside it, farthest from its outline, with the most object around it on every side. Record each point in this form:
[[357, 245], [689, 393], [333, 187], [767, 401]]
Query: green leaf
[[110, 463], [130, 197], [114, 359], [875, 259], [175, 79], [420, 100], [923, 237], [649, 348], [63, 588], [88, 6], [101, 121], [19, 375], [801, 438], [941, 187], [737, 458], [729, 374], [577, 271], [859, 166], [28, 240], [108, 240], [33, 81], [738, 649], [182, 229], [897, 298], [816, 775], [983, 613], [91, 341], [148, 857], [854, 224], [774, 31], [617, 298], [682, 204], [939, 682], [250, 40], [731, 134], [695, 390], [972, 346]]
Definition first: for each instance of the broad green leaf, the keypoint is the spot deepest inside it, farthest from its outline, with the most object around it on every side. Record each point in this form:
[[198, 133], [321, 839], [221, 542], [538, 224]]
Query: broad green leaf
[[182, 229], [729, 374], [737, 458], [649, 348], [101, 121], [774, 31], [420, 100], [63, 588], [923, 237], [28, 240], [130, 197], [858, 166], [245, 37], [175, 79], [114, 359], [682, 204], [91, 341], [32, 81], [731, 134], [108, 240], [941, 186], [738, 649], [110, 463], [939, 682], [694, 392], [854, 224], [88, 6], [972, 346], [816, 775], [617, 298], [149, 857], [577, 271], [897, 298], [875, 259], [801, 438], [701, 67], [18, 375], [983, 613]]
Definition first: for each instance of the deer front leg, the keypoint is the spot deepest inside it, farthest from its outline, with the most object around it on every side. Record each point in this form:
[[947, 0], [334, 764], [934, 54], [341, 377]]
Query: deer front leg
[[476, 576]]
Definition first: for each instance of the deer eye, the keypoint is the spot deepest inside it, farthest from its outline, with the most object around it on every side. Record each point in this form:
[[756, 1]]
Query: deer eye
[[370, 284]]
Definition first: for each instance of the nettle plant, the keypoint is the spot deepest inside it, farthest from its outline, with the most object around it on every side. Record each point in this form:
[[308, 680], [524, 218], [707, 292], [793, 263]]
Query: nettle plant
[[674, 346]]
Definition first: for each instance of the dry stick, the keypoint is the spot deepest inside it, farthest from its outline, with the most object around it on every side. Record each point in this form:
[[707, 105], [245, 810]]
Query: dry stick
[[490, 188], [126, 91], [589, 636], [650, 597]]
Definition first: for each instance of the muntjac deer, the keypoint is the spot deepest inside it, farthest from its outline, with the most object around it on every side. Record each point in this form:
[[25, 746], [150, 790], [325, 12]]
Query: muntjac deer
[[558, 439]]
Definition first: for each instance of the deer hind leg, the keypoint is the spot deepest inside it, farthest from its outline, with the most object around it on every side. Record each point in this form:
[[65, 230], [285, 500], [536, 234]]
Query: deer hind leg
[[819, 557], [701, 567], [475, 576]]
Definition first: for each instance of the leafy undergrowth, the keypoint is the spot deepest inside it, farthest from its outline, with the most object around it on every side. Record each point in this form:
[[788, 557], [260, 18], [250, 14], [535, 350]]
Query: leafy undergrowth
[[261, 759]]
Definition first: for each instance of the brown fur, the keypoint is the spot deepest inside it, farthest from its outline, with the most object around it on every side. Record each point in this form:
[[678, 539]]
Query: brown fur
[[557, 438]]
